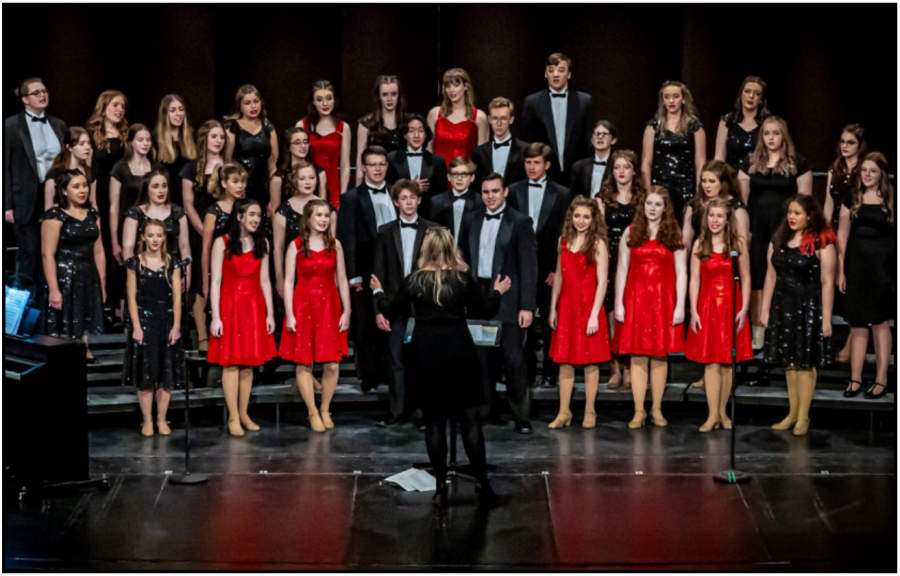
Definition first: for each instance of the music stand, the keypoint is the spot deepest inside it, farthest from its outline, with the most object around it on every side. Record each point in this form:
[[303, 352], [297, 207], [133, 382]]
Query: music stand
[[187, 478]]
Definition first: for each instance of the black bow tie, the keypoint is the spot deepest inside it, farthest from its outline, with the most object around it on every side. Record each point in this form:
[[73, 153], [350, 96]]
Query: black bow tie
[[377, 190], [535, 184], [493, 216], [42, 120], [600, 163], [409, 224], [411, 154], [460, 197], [563, 95], [501, 144]]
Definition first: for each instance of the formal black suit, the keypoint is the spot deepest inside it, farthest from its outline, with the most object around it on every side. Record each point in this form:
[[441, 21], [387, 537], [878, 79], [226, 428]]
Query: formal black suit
[[441, 211], [23, 192], [357, 232], [538, 126], [389, 270], [483, 157], [549, 228], [434, 169], [515, 255], [583, 174]]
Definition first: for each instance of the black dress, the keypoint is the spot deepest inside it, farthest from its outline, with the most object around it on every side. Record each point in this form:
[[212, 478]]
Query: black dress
[[222, 218], [674, 166], [174, 169], [442, 371], [794, 335], [202, 201], [173, 227], [282, 175], [740, 143], [252, 151], [292, 221], [391, 140], [767, 207], [870, 266], [155, 363], [839, 189], [76, 276], [131, 187], [102, 162], [618, 218]]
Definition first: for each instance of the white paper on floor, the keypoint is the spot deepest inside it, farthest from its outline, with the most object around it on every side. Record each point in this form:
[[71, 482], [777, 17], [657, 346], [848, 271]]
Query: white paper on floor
[[413, 480]]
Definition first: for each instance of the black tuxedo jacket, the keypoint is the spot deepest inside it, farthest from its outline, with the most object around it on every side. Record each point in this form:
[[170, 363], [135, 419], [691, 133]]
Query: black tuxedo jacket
[[483, 157], [550, 222], [515, 255], [583, 173], [441, 211], [357, 232], [20, 171], [434, 169], [389, 255], [537, 126]]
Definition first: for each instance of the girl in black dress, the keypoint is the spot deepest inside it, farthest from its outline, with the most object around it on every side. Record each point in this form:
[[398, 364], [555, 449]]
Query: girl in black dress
[[174, 141], [738, 131], [796, 304], [618, 198], [154, 356], [867, 268], [674, 146], [74, 262], [227, 184], [252, 143], [769, 178], [443, 373], [296, 151], [381, 127], [75, 155]]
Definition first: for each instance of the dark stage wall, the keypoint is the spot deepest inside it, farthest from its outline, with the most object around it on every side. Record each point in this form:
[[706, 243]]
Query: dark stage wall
[[823, 72]]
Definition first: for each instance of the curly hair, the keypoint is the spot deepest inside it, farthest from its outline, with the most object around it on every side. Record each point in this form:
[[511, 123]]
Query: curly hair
[[730, 233], [669, 233], [220, 175], [594, 235], [96, 124]]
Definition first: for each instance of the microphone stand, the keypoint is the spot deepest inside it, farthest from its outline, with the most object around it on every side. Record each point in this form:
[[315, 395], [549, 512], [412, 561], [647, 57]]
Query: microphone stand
[[732, 475]]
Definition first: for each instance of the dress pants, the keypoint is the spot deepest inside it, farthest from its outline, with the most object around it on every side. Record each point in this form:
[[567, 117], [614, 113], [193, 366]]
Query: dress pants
[[551, 368], [397, 383], [370, 349], [28, 243]]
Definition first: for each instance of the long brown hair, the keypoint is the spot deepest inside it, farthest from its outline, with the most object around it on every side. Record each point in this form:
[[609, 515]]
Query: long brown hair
[[312, 113], [164, 129], [287, 159], [594, 235], [438, 251], [457, 76], [729, 234], [239, 97], [730, 189], [688, 111], [669, 233], [377, 129], [736, 116], [609, 190], [202, 142], [787, 162], [306, 227], [885, 187], [839, 166], [144, 195], [163, 250], [70, 139], [288, 183], [133, 131], [96, 124]]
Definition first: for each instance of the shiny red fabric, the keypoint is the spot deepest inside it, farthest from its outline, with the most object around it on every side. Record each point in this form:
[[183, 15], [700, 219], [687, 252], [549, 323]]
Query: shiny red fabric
[[325, 152], [569, 343], [452, 140], [242, 308], [649, 299], [712, 342], [317, 309]]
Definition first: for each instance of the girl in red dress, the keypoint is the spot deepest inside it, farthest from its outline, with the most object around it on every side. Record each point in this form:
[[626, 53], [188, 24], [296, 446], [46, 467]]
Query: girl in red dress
[[580, 335], [329, 139], [317, 313], [242, 317], [712, 306], [650, 299], [458, 126]]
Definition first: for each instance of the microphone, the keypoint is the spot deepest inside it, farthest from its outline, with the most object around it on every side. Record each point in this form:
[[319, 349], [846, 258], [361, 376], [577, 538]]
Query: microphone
[[735, 267]]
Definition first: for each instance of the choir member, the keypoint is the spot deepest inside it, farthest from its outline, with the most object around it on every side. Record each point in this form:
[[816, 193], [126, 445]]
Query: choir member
[[449, 208], [75, 155], [589, 174], [226, 185], [384, 124], [173, 139], [504, 154], [844, 171], [252, 142], [717, 180], [415, 162], [154, 203], [329, 138], [738, 131], [296, 151], [458, 126], [126, 179]]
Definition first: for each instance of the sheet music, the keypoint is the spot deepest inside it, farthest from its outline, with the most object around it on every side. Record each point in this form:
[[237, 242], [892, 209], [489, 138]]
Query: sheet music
[[15, 305], [414, 480], [476, 332]]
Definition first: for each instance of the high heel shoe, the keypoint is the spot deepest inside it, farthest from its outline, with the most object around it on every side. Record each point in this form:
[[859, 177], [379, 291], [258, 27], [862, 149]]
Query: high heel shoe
[[486, 494], [249, 424], [234, 428], [626, 380], [615, 381], [317, 386], [849, 392], [638, 420], [327, 421], [875, 396], [843, 356], [315, 422], [785, 424], [701, 383], [164, 429], [147, 429], [590, 420], [709, 427], [561, 421], [440, 495], [802, 428], [726, 422], [657, 418]]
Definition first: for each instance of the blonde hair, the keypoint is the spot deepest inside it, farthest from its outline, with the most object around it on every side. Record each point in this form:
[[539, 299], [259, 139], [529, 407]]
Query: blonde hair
[[163, 250], [440, 256], [164, 131], [688, 111], [202, 140], [220, 176], [457, 76], [787, 161], [96, 123]]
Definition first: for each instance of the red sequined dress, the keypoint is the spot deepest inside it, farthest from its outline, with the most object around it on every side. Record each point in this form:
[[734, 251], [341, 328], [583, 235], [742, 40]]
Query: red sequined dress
[[455, 139], [326, 154]]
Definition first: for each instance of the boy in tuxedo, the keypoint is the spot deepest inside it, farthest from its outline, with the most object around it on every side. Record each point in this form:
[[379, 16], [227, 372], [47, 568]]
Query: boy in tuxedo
[[497, 239], [396, 257], [448, 208], [588, 175], [416, 163], [546, 203], [503, 154]]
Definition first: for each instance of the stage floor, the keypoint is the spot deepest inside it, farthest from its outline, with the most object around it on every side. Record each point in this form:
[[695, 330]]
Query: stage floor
[[608, 498]]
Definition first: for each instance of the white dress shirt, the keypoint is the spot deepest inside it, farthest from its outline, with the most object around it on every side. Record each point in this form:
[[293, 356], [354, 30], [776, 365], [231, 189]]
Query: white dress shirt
[[458, 207], [536, 199], [488, 243], [44, 141], [597, 177], [382, 203], [500, 156], [560, 108], [408, 240], [414, 163]]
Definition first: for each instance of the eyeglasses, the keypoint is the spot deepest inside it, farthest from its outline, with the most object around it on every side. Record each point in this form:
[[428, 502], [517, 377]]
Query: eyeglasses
[[38, 93], [849, 142], [460, 174], [870, 171], [601, 135], [376, 164]]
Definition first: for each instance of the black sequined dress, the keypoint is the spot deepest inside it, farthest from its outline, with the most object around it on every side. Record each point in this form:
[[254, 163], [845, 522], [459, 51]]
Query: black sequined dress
[[740, 143], [618, 218], [172, 222], [292, 220], [839, 189], [252, 151], [673, 165], [391, 140]]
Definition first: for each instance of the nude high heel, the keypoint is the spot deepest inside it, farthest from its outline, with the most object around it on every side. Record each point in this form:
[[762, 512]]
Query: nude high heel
[[562, 420]]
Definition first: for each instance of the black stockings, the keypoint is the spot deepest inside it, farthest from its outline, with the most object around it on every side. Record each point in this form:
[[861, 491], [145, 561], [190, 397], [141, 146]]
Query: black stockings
[[472, 437]]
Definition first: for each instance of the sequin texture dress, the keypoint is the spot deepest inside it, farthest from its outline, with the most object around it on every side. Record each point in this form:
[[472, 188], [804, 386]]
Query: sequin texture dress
[[618, 217], [740, 143], [673, 165], [173, 227]]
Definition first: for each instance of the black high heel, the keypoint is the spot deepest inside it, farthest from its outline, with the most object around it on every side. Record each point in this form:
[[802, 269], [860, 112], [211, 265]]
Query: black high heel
[[486, 494], [849, 392], [440, 495], [873, 396]]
